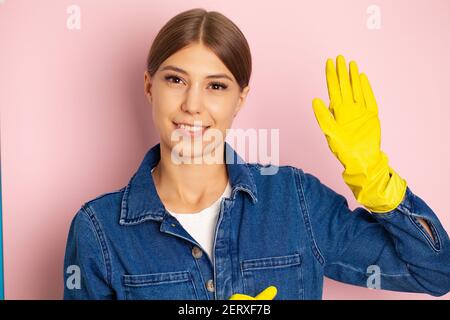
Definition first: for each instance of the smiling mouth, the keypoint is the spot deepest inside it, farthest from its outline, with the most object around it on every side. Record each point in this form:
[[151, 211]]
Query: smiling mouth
[[192, 130]]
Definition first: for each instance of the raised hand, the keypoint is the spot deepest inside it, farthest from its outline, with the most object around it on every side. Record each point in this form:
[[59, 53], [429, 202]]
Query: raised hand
[[353, 132]]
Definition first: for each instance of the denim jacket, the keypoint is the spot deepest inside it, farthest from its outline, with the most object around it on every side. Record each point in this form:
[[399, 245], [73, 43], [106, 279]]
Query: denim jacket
[[287, 229]]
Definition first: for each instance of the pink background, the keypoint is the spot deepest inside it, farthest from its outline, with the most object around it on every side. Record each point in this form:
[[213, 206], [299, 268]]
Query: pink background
[[75, 123]]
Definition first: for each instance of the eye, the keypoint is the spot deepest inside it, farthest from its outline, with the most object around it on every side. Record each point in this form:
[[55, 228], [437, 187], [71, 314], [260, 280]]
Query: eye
[[173, 79], [219, 86]]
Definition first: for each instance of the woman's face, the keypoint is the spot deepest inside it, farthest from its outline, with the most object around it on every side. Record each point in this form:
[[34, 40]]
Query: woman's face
[[193, 87]]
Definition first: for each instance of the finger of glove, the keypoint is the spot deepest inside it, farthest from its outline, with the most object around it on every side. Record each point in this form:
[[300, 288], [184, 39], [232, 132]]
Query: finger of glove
[[355, 83], [267, 294], [369, 97], [334, 90], [344, 80], [323, 116]]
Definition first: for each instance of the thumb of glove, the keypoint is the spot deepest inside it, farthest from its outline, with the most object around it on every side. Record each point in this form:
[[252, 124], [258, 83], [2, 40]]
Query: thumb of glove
[[323, 116]]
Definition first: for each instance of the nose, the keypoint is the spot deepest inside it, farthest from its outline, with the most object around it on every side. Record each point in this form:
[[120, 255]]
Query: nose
[[193, 102]]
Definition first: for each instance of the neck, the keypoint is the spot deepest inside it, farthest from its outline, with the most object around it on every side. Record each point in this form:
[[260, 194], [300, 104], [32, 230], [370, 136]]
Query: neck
[[189, 185]]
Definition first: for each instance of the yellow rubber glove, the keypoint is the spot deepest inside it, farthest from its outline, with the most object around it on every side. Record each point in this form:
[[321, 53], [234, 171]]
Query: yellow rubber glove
[[352, 129], [267, 294]]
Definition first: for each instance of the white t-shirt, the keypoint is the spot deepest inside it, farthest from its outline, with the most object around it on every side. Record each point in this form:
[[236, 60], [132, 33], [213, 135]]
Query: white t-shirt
[[201, 225]]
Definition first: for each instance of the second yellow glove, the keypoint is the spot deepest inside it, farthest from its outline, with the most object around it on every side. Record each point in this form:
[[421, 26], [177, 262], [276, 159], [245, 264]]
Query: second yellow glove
[[267, 294]]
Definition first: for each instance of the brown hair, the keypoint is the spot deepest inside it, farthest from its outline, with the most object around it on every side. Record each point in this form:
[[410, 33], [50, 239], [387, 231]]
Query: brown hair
[[211, 29]]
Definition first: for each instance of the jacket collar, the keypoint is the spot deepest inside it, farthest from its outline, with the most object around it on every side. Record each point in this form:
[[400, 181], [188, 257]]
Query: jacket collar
[[140, 201]]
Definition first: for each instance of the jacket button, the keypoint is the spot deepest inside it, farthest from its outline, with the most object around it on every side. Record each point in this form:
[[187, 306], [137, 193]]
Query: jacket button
[[197, 252], [210, 285]]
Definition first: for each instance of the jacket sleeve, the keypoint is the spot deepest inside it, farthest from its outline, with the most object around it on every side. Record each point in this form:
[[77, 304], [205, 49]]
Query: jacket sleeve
[[354, 245], [86, 272]]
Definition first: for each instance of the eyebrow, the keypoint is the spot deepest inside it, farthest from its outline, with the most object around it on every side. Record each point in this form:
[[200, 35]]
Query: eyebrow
[[211, 76]]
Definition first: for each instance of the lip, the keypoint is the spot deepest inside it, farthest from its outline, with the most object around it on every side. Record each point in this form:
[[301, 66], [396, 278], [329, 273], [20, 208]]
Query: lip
[[188, 132]]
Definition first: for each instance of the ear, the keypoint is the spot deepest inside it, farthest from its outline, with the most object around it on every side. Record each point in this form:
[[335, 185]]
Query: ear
[[242, 98], [147, 86]]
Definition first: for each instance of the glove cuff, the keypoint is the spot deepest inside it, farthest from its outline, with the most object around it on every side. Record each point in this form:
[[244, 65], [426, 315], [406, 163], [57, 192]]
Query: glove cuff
[[380, 189]]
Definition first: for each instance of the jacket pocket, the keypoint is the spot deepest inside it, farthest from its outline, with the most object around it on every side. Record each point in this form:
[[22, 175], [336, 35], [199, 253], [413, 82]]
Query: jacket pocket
[[283, 272], [177, 285]]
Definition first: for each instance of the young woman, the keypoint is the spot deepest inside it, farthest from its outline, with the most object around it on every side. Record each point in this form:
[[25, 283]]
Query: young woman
[[221, 229]]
